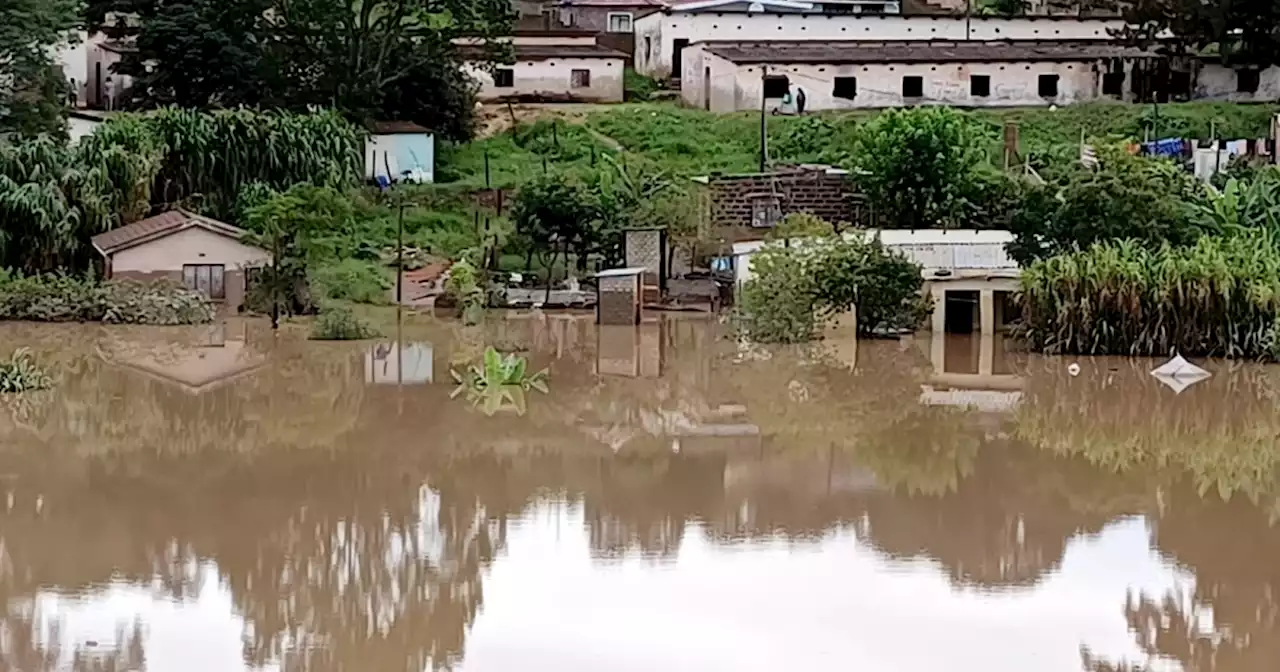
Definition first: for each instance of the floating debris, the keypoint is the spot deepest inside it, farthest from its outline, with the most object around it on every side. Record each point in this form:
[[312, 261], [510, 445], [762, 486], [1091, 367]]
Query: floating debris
[[1178, 374]]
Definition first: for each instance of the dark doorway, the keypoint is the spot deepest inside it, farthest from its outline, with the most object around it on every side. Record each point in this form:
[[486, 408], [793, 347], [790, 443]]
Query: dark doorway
[[706, 89], [962, 312], [776, 86], [677, 59]]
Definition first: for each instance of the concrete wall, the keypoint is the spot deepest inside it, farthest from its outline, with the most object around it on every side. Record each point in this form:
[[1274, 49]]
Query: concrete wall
[[660, 31], [105, 94], [733, 87], [78, 127], [551, 79], [401, 152], [1218, 82], [73, 58]]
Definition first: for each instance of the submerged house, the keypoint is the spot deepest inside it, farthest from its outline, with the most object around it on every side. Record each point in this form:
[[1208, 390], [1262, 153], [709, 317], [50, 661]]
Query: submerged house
[[204, 254]]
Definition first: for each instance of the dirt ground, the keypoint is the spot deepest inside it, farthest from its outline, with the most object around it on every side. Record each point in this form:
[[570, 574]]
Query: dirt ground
[[493, 119]]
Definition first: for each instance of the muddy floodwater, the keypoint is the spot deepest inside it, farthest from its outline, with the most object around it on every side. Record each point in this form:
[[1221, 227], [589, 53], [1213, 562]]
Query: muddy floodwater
[[225, 499]]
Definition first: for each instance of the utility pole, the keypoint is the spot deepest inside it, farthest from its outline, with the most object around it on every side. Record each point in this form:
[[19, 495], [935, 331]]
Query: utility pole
[[764, 132], [275, 279], [400, 255]]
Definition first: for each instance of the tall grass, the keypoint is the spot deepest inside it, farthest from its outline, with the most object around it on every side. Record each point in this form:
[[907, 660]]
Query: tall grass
[[1220, 297]]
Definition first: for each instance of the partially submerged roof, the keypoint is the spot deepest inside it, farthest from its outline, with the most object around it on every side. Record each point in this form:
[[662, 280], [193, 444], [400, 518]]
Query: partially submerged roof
[[932, 51], [159, 226]]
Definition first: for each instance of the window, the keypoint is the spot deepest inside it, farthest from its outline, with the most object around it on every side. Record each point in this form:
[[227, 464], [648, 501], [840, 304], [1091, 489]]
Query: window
[[873, 9], [619, 22], [980, 86], [580, 79], [1180, 84], [1113, 84], [1247, 81], [648, 48], [776, 86], [206, 279], [846, 87], [766, 211], [912, 87], [504, 78], [1048, 86]]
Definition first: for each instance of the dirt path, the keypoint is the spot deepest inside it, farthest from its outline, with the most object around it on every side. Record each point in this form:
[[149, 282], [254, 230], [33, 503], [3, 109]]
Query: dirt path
[[497, 118]]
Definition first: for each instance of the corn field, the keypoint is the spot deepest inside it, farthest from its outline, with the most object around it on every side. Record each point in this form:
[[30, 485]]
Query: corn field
[[1220, 297], [53, 198]]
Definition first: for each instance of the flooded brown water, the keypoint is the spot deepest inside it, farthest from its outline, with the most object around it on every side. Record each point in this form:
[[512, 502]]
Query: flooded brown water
[[228, 499]]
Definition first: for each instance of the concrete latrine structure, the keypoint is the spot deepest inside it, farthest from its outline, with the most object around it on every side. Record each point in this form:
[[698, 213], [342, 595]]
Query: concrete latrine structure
[[618, 296]]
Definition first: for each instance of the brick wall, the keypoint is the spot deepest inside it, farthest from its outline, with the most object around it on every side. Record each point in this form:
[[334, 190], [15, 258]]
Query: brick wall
[[831, 197]]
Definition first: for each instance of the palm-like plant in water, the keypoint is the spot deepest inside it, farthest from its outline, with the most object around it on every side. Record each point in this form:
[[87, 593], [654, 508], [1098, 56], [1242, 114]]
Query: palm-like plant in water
[[499, 383]]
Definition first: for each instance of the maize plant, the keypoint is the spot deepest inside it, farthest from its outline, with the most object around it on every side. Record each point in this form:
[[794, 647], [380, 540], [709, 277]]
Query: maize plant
[[1219, 297]]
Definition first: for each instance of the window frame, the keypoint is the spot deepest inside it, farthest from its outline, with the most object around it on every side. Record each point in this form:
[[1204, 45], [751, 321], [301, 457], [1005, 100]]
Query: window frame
[[631, 22], [776, 81], [511, 81], [579, 78], [191, 277]]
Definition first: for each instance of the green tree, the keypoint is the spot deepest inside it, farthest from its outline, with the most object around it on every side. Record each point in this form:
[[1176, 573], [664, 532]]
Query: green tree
[[34, 93], [916, 165], [883, 285], [553, 214], [1241, 32], [1126, 197]]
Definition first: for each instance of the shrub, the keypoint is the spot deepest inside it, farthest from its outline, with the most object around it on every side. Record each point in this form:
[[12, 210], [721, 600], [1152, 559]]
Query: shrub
[[465, 288], [21, 373], [638, 87], [60, 298], [338, 323], [795, 290], [352, 280]]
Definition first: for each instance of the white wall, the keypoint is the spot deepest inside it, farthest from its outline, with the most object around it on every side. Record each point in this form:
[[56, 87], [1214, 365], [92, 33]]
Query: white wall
[[1218, 82], [112, 90], [189, 246], [663, 29], [735, 87], [552, 78], [73, 58]]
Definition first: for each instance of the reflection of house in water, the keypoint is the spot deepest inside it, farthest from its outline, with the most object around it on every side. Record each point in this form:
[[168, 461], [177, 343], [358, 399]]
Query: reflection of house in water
[[396, 363], [632, 351], [971, 370], [213, 356]]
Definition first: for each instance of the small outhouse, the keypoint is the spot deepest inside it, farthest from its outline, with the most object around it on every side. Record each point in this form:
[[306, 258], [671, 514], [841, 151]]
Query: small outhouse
[[618, 296], [399, 151]]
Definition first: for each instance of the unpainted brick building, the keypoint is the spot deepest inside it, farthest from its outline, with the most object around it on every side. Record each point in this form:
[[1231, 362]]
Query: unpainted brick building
[[745, 207]]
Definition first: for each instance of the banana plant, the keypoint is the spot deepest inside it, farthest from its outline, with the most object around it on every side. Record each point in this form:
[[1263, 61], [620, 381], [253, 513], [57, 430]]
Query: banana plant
[[498, 383]]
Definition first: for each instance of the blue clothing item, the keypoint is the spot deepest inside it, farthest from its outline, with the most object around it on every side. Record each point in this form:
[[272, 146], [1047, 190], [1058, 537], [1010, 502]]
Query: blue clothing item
[[1166, 147], [382, 181]]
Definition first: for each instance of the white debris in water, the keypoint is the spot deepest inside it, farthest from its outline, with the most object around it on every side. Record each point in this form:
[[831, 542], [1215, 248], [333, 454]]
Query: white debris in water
[[1074, 369], [1179, 374]]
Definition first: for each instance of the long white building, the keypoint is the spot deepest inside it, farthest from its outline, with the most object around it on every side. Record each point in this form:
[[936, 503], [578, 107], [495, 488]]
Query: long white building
[[661, 37]]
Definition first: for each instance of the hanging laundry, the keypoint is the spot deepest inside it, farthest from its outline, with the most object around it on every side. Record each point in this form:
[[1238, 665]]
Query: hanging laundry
[[1237, 147], [1263, 146], [1169, 147]]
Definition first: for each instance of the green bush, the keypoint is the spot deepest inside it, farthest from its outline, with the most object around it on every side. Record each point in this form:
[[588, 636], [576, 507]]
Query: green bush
[[21, 373], [796, 289], [338, 323], [60, 298], [353, 280], [637, 87]]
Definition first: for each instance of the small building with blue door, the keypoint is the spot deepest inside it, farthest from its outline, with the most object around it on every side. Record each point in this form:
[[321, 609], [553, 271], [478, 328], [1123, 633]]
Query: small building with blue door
[[399, 151]]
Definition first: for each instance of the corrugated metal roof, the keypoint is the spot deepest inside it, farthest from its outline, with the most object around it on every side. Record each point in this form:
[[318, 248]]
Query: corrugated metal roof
[[161, 225], [921, 51]]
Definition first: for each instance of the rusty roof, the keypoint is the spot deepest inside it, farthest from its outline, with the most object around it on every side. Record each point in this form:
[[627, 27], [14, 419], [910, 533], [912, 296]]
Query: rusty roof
[[920, 51], [159, 226]]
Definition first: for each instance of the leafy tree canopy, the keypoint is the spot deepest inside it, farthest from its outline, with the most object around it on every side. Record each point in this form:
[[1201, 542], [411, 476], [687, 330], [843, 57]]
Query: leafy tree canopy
[[370, 59], [34, 91], [1241, 31]]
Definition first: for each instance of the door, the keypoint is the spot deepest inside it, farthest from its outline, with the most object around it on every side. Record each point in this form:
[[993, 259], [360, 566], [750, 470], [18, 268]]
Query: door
[[706, 89], [677, 62]]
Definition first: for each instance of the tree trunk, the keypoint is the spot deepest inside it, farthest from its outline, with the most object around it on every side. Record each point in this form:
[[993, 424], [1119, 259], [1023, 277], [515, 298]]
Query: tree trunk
[[551, 265]]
